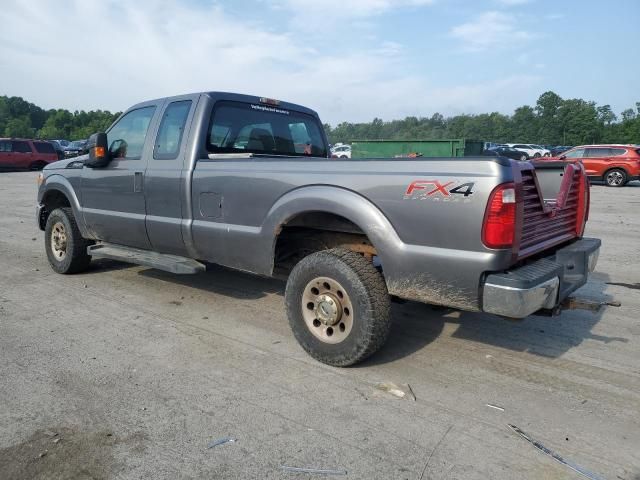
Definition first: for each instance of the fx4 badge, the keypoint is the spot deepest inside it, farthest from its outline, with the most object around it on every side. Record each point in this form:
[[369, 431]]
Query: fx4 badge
[[447, 191]]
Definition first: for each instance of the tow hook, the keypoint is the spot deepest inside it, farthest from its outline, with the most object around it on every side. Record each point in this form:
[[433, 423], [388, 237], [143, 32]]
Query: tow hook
[[573, 303]]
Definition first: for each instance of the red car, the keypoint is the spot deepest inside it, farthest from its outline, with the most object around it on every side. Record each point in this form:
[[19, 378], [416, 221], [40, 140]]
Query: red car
[[23, 154], [614, 164]]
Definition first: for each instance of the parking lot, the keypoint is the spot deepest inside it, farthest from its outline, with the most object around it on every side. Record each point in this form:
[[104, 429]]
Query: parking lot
[[128, 372]]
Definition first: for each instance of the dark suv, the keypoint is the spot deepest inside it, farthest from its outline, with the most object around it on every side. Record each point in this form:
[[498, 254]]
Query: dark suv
[[24, 154]]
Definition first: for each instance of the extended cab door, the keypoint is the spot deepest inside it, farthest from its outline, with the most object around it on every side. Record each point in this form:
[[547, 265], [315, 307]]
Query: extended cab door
[[112, 200], [166, 174]]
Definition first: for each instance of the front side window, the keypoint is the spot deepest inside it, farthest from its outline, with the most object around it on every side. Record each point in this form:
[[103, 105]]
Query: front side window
[[577, 153], [21, 147], [251, 128], [171, 129], [126, 138]]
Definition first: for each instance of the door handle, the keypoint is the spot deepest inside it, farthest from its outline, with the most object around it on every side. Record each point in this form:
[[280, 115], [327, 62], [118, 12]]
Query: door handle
[[137, 182]]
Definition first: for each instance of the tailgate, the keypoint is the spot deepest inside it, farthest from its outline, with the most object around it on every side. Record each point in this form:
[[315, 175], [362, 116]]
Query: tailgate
[[554, 204]]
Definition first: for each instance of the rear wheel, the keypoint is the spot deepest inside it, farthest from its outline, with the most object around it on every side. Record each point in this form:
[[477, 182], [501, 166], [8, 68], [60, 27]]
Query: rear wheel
[[37, 165], [615, 178], [338, 307], [536, 155], [66, 249]]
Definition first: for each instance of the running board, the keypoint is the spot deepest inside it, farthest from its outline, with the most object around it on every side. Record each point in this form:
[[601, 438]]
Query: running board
[[146, 258]]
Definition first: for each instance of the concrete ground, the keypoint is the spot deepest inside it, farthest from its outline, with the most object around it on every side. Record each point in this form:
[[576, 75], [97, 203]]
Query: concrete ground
[[127, 372]]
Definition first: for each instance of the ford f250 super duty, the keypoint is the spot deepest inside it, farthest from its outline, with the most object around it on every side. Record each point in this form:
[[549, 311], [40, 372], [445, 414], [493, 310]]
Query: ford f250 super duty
[[248, 183]]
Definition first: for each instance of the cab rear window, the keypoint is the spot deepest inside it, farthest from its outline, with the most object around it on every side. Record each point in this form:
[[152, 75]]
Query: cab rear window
[[238, 127]]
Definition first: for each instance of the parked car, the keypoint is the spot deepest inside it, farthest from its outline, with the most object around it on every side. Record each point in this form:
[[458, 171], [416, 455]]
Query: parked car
[[167, 187], [75, 148], [534, 151], [63, 143], [614, 164], [558, 150], [507, 152], [342, 151], [25, 154]]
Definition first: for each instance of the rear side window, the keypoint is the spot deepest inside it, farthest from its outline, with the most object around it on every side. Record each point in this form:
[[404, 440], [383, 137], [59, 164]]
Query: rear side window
[[44, 147], [21, 147], [598, 152], [171, 129], [5, 146], [126, 138], [251, 128], [616, 152]]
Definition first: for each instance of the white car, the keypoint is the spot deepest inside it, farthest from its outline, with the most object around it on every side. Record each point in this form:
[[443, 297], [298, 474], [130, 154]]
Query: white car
[[534, 151], [342, 151]]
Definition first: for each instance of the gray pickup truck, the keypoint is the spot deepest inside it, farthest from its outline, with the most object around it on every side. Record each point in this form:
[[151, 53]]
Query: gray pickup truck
[[249, 183]]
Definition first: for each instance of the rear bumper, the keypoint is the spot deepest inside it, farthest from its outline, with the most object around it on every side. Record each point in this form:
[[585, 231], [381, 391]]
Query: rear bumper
[[541, 284]]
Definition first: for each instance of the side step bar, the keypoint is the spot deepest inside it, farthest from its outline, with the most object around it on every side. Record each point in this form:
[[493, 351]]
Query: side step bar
[[161, 261]]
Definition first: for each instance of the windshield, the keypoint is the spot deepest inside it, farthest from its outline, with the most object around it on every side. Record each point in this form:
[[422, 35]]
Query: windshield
[[77, 144], [238, 127]]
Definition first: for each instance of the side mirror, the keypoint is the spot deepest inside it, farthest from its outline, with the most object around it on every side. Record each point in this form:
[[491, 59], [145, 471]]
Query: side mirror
[[98, 151], [562, 157]]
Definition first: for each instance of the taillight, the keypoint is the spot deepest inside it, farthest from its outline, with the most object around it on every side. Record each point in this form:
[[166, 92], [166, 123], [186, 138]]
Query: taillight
[[499, 228], [582, 213]]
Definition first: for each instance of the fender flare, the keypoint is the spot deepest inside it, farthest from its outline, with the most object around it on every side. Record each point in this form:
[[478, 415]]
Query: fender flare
[[61, 184], [337, 201]]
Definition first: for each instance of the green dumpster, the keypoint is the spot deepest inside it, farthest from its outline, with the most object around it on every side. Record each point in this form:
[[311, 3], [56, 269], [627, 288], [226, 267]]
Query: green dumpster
[[458, 147]]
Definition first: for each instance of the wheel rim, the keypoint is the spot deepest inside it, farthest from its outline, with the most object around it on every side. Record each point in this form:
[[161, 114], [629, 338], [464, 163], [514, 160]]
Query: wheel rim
[[615, 178], [59, 241], [523, 158], [327, 310]]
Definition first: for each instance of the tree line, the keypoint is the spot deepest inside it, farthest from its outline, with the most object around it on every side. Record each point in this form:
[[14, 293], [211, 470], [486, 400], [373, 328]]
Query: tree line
[[552, 121], [19, 118]]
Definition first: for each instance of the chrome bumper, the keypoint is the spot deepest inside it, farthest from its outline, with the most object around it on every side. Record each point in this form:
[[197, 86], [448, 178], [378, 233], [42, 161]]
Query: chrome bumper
[[542, 284]]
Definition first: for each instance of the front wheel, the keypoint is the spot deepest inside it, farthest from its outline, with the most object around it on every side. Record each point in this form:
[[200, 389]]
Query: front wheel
[[338, 307], [536, 155], [524, 158], [616, 178], [66, 249]]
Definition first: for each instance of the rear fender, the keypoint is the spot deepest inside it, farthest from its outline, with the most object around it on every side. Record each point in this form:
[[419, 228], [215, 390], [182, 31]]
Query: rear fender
[[337, 201]]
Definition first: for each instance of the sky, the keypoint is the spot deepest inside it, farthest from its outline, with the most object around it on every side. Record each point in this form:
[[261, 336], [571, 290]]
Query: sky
[[350, 60]]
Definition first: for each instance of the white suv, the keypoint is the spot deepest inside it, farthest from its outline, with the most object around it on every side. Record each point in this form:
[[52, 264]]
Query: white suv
[[534, 151], [342, 151]]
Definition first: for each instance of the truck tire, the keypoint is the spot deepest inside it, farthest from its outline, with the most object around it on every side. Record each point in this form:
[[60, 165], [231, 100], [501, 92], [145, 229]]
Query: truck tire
[[338, 307], [616, 177], [66, 249]]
